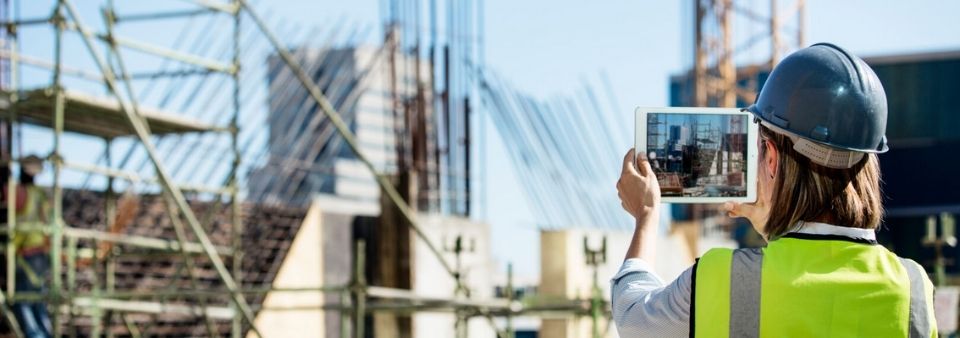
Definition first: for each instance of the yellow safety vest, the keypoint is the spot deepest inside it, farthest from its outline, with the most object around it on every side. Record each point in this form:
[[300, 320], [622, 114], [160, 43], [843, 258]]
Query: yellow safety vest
[[30, 216], [804, 285]]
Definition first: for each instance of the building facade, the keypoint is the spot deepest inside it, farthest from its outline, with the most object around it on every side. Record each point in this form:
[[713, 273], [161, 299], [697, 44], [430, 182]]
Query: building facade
[[306, 155]]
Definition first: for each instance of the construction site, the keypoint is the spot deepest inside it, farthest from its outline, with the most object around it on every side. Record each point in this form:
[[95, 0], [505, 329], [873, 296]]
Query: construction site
[[698, 155], [213, 168]]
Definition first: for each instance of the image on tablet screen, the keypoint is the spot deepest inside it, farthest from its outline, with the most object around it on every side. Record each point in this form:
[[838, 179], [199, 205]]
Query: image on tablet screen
[[698, 155]]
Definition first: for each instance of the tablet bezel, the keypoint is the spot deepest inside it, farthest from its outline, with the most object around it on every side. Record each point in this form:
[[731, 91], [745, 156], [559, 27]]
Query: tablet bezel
[[640, 143]]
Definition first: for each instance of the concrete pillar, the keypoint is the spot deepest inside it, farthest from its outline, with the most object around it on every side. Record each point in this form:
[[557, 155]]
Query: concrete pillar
[[565, 274]]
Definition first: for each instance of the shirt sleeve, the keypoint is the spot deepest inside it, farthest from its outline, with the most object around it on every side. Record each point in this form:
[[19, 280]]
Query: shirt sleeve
[[643, 306]]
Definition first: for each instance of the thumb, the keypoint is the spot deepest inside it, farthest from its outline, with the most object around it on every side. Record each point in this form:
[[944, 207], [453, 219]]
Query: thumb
[[643, 165]]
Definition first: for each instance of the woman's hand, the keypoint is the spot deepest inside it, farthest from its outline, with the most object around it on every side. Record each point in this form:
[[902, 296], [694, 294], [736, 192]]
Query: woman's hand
[[756, 213], [638, 188], [639, 195]]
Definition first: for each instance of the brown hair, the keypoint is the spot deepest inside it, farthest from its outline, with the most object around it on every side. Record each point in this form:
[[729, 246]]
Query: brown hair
[[805, 191]]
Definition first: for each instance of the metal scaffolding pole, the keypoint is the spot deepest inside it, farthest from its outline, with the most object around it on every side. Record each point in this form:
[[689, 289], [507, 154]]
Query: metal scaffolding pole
[[56, 223], [110, 211], [11, 249], [358, 287], [235, 216]]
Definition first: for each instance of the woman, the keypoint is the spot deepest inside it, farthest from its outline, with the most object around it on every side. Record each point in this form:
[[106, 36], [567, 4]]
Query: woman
[[822, 115]]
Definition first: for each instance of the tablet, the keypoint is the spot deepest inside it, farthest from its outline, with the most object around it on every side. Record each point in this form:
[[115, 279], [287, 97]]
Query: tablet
[[700, 155]]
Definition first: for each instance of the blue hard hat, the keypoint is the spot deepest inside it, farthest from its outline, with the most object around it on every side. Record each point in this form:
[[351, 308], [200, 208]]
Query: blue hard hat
[[829, 100]]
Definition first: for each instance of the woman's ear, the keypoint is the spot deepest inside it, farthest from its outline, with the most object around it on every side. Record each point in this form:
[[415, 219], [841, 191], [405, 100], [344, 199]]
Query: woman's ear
[[772, 158]]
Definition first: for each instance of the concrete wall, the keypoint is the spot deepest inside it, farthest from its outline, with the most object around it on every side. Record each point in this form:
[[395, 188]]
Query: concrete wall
[[303, 267], [318, 256]]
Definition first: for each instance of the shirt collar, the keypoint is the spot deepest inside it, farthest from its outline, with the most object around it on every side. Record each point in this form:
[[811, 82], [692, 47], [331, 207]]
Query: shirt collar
[[816, 228]]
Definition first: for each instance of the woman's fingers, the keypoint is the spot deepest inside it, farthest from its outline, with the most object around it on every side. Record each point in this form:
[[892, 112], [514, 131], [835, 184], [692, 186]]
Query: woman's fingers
[[751, 211], [637, 164], [729, 207], [735, 209]]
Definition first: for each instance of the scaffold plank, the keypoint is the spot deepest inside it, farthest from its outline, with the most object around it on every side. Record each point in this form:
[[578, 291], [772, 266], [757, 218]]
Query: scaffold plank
[[91, 115]]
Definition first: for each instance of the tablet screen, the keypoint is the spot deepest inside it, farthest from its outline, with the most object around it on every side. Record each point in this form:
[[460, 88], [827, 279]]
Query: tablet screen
[[698, 155]]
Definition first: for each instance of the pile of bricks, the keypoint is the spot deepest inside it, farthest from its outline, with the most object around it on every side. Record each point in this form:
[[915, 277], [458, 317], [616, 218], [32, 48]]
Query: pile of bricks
[[267, 236]]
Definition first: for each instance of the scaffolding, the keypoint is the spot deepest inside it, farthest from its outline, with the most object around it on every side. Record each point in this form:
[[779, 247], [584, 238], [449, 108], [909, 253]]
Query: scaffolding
[[716, 80], [64, 110]]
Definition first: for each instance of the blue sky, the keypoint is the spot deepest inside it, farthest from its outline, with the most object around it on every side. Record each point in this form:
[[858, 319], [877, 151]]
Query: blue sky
[[549, 47]]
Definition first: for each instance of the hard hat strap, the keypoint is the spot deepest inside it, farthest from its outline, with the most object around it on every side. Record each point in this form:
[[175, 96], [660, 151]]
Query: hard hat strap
[[821, 154], [826, 156]]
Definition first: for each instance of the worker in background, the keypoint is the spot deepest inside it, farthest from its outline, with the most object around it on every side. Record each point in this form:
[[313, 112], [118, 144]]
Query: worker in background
[[33, 247], [822, 115]]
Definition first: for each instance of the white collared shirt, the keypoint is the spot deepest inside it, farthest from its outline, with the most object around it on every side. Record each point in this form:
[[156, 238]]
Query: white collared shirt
[[643, 306]]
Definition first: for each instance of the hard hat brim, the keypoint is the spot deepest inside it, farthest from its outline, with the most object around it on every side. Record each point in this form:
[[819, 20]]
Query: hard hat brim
[[753, 109]]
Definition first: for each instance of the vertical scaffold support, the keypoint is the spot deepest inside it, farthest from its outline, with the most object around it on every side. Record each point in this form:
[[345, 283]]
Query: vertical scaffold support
[[358, 287], [56, 223], [11, 249], [235, 216]]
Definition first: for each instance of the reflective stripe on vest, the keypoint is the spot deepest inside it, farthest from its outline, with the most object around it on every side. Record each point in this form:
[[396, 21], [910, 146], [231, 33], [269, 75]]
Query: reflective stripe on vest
[[919, 318], [818, 288]]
